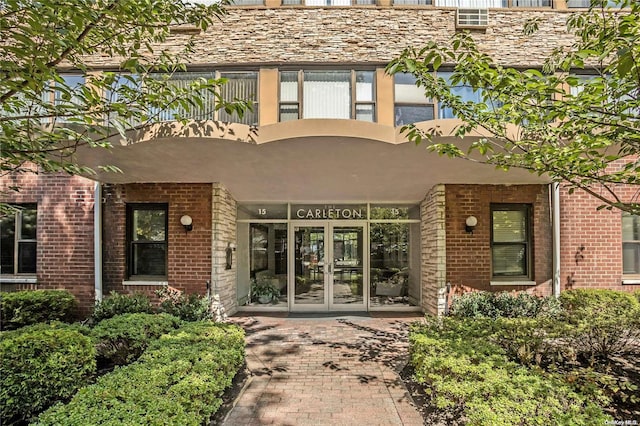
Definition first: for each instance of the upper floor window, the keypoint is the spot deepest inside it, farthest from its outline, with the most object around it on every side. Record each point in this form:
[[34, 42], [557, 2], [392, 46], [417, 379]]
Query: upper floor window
[[410, 103], [466, 94], [18, 239], [147, 229], [240, 86], [588, 3], [510, 240], [327, 94], [630, 244]]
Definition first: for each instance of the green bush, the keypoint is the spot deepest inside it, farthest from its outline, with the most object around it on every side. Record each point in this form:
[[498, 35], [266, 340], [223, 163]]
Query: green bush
[[28, 307], [178, 380], [117, 304], [122, 339], [603, 323], [39, 365], [479, 304], [192, 307], [472, 379]]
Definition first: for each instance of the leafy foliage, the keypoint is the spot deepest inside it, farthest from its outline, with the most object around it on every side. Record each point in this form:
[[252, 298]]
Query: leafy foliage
[[40, 38], [471, 378], [117, 304], [604, 322], [582, 137], [39, 365], [28, 307], [192, 307], [122, 339], [178, 380], [507, 305]]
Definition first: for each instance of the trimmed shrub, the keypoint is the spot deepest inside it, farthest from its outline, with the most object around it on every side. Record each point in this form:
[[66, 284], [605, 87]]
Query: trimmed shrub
[[471, 379], [122, 339], [21, 308], [39, 365], [192, 307], [484, 304], [117, 304], [604, 322], [178, 380]]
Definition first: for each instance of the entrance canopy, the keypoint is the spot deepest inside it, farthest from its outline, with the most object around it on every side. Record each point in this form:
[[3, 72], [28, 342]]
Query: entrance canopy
[[303, 160]]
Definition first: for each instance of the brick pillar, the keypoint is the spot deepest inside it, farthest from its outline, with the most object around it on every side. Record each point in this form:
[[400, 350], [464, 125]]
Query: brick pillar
[[224, 209], [434, 251]]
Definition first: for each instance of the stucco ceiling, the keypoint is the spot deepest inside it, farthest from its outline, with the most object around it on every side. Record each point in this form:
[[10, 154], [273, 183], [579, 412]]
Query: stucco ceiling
[[305, 160]]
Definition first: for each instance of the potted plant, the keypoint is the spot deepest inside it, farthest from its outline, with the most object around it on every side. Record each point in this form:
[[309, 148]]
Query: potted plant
[[263, 291]]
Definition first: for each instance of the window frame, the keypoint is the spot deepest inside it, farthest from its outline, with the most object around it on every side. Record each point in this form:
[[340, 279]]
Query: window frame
[[354, 102], [635, 243], [527, 209], [18, 241], [130, 250], [428, 103]]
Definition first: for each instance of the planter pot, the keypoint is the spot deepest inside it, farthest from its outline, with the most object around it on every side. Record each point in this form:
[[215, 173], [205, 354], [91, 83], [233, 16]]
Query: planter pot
[[264, 299]]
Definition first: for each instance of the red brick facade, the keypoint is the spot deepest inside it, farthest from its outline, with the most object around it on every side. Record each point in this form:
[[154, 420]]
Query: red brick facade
[[189, 253], [64, 231], [591, 241], [469, 254]]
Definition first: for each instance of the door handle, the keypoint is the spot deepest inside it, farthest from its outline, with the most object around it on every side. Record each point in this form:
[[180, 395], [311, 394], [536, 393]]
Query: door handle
[[331, 268]]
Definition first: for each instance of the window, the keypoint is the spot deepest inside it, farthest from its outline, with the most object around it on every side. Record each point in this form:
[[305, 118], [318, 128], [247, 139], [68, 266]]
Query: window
[[466, 94], [147, 240], [327, 94], [630, 244], [588, 3], [410, 103], [18, 240], [510, 240], [240, 85]]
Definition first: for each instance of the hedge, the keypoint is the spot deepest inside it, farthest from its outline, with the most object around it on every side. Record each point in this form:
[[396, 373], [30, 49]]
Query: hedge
[[178, 380], [471, 380], [118, 304], [39, 365], [484, 304], [22, 308], [122, 339]]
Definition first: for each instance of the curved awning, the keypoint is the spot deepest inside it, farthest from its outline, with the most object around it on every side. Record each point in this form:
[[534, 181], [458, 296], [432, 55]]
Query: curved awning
[[303, 160]]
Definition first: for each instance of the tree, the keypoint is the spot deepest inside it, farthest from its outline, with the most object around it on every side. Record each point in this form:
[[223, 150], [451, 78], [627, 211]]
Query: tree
[[45, 117], [581, 131]]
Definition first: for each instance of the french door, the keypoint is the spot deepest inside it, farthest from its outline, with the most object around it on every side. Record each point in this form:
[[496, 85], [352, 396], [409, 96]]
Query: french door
[[329, 268]]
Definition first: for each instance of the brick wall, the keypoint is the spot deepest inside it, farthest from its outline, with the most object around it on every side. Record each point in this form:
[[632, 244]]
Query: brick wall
[[189, 253], [591, 241], [434, 250], [469, 255], [64, 231]]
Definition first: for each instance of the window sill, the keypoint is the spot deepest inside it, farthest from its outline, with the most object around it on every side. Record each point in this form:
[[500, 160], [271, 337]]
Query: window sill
[[16, 279], [631, 280], [513, 282], [145, 282]]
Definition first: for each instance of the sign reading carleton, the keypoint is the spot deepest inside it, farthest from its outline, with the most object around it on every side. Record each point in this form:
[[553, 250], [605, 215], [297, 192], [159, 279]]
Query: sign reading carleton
[[314, 211]]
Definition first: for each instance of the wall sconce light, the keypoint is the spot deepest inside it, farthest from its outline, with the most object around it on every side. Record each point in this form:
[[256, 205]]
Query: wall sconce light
[[470, 224], [231, 247], [187, 222]]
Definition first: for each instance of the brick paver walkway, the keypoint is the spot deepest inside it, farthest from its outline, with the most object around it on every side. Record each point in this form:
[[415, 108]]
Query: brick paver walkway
[[325, 371]]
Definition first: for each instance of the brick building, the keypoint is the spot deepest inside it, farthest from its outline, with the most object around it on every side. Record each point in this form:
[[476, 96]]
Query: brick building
[[316, 193]]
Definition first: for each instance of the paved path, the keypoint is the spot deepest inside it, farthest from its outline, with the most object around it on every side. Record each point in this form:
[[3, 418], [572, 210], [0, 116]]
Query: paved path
[[325, 371]]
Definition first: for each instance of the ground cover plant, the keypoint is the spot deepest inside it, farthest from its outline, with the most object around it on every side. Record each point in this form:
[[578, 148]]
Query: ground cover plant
[[179, 379], [39, 365], [22, 308], [511, 360]]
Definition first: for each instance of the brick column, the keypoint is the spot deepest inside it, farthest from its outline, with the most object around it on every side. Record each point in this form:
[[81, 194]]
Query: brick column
[[223, 226], [434, 251]]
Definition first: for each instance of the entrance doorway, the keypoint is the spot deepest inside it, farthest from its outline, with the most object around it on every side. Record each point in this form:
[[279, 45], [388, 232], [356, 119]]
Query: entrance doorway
[[329, 263]]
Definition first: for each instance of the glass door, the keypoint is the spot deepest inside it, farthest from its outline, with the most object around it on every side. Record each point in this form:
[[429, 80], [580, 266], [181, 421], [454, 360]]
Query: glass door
[[347, 270], [329, 271]]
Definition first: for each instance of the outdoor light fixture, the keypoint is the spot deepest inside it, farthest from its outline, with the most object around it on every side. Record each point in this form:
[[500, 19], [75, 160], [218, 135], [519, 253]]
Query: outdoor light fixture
[[470, 224], [187, 222], [231, 247]]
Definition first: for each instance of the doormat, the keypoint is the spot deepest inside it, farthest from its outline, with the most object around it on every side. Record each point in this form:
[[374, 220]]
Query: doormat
[[311, 315]]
